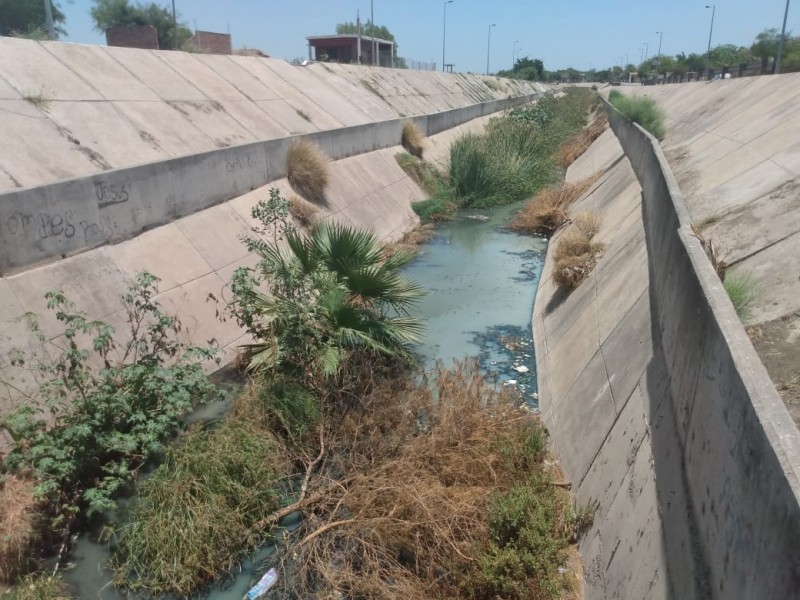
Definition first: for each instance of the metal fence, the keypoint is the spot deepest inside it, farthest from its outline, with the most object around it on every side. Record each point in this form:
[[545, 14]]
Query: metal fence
[[423, 66]]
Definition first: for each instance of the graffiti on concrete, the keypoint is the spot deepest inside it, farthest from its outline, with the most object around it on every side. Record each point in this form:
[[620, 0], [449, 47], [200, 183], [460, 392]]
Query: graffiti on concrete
[[238, 163], [109, 195], [41, 226]]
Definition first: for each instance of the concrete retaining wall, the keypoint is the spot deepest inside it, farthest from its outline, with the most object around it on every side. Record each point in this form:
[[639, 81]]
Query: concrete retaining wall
[[738, 445], [60, 219]]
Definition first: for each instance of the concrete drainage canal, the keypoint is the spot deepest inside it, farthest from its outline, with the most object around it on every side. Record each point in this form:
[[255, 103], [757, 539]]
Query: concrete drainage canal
[[482, 280]]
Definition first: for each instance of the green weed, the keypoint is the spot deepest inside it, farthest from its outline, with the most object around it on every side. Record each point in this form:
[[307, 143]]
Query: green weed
[[742, 290], [641, 110], [38, 586], [199, 511]]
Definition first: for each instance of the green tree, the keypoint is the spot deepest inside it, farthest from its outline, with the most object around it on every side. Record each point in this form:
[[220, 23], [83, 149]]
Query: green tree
[[726, 56], [332, 294], [28, 17], [380, 31], [765, 46], [121, 13]]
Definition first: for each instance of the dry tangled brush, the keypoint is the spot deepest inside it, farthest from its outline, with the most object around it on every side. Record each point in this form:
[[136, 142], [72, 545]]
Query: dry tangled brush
[[404, 508], [545, 213], [574, 147], [576, 254]]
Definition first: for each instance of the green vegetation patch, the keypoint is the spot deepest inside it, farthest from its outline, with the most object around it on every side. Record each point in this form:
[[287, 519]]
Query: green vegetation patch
[[742, 290], [512, 160], [198, 512], [641, 110]]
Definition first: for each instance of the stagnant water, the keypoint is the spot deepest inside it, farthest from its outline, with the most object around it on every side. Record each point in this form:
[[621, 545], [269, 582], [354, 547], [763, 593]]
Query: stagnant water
[[482, 280]]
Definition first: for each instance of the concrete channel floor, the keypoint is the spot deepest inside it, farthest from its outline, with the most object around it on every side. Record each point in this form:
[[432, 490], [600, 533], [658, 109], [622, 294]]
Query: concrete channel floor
[[734, 146]]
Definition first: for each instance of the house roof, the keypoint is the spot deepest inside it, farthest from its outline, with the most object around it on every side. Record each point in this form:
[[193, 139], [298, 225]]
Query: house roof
[[342, 36]]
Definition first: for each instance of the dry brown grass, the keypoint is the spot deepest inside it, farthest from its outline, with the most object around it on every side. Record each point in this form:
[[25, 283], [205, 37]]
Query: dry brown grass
[[576, 254], [411, 240], [304, 212], [575, 146], [719, 263], [20, 527], [410, 513], [545, 213], [308, 170], [412, 139]]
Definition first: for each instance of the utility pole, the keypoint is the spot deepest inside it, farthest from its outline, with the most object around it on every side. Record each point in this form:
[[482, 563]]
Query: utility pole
[[660, 38], [646, 50], [48, 15], [713, 8], [372, 19], [489, 47], [444, 31], [779, 58], [514, 55], [175, 25]]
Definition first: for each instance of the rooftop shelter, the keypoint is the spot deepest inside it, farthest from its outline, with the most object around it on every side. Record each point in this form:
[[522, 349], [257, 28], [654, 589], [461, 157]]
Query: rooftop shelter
[[350, 48]]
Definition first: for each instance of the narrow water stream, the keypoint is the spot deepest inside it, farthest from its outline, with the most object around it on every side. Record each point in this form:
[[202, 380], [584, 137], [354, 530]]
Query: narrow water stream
[[482, 280]]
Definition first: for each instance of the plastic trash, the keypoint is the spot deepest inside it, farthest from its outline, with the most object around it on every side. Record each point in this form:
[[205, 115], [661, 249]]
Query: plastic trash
[[521, 369], [263, 585]]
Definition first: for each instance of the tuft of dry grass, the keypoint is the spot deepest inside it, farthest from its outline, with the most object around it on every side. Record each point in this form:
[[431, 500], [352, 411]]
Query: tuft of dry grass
[[411, 240], [304, 212], [575, 146], [308, 170], [20, 526], [588, 223], [576, 254], [545, 213], [412, 139]]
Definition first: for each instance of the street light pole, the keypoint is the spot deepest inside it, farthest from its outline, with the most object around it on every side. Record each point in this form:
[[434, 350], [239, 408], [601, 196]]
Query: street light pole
[[489, 46], [514, 55], [641, 55], [444, 30], [713, 8], [646, 50], [779, 58], [372, 30], [48, 15]]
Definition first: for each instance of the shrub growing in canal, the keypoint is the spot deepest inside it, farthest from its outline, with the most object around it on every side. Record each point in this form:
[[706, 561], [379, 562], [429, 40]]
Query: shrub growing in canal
[[641, 110], [113, 405], [332, 294], [512, 159]]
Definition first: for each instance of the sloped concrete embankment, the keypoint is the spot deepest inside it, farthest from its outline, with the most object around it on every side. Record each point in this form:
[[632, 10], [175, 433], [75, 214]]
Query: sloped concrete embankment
[[71, 110], [657, 404], [60, 219], [195, 257]]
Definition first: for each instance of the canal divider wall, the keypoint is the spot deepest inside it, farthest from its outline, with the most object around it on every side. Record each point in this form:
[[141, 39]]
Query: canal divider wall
[[658, 405], [53, 221]]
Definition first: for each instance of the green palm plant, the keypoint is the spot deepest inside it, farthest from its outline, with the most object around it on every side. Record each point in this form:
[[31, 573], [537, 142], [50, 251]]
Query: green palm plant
[[332, 293]]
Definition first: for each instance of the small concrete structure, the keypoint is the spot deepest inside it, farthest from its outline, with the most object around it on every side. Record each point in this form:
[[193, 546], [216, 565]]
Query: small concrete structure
[[350, 49]]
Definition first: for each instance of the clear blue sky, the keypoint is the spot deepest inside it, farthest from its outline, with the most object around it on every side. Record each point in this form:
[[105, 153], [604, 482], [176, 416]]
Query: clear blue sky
[[579, 33]]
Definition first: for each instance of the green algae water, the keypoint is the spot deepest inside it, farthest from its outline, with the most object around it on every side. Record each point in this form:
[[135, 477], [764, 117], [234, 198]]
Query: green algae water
[[482, 280]]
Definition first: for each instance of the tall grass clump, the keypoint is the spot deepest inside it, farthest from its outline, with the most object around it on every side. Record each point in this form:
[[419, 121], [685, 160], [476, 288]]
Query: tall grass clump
[[441, 205], [21, 523], [198, 513], [742, 290], [576, 254], [412, 139], [545, 213], [641, 110], [308, 170], [513, 159]]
